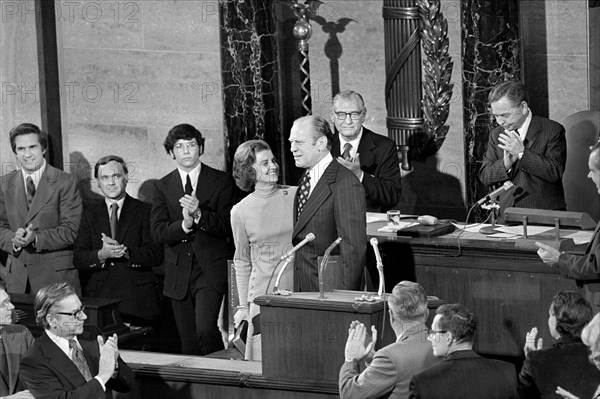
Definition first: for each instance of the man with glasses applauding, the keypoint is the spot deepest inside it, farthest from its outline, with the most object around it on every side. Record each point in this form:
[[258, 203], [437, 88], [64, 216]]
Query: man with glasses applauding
[[190, 216], [58, 365], [462, 374], [370, 156]]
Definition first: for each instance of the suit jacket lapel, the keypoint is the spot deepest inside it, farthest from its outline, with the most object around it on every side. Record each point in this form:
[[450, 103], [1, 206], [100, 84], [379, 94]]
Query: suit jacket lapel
[[19, 198], [8, 377], [43, 193], [320, 193], [366, 147], [60, 361], [204, 180], [127, 215], [533, 133]]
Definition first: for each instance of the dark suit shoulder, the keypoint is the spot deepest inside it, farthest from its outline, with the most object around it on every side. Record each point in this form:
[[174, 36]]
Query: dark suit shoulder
[[378, 139]]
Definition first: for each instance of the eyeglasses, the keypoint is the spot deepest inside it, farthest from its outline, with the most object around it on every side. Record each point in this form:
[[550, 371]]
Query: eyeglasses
[[433, 332], [76, 314], [180, 146], [353, 115]]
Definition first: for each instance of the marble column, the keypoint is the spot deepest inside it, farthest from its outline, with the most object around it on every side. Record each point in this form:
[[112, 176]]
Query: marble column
[[490, 54], [249, 74]]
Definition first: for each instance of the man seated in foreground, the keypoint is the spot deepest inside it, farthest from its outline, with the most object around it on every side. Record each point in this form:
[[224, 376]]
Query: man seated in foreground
[[60, 366], [463, 374], [392, 367], [14, 341]]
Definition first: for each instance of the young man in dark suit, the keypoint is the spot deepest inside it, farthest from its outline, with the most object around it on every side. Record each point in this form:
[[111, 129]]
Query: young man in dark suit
[[529, 150], [114, 250], [15, 339], [190, 216], [462, 374], [58, 365], [370, 156], [40, 210], [330, 203]]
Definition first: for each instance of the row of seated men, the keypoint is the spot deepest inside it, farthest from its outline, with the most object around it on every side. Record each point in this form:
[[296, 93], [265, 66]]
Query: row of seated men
[[114, 244], [429, 363]]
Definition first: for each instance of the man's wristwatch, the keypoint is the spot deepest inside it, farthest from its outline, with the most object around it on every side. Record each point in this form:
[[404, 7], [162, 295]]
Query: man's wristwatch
[[196, 214]]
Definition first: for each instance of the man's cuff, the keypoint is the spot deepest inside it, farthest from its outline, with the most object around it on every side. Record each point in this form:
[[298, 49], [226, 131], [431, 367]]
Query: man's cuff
[[351, 360], [520, 155], [101, 383], [362, 175], [185, 229]]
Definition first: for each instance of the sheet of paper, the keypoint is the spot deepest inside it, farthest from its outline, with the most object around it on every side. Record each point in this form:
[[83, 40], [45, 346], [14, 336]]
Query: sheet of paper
[[376, 217], [471, 228], [581, 237], [531, 230], [504, 235], [394, 227]]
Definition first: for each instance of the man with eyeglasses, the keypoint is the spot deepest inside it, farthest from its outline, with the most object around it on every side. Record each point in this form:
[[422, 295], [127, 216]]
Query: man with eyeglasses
[[370, 156], [527, 149], [462, 374], [190, 215], [15, 339], [59, 365], [114, 250], [390, 369]]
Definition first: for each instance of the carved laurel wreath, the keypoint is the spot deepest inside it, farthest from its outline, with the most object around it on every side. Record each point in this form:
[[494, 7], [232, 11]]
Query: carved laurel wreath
[[437, 72]]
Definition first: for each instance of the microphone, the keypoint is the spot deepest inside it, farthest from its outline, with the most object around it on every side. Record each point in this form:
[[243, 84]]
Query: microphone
[[323, 265], [506, 186], [309, 237], [375, 245]]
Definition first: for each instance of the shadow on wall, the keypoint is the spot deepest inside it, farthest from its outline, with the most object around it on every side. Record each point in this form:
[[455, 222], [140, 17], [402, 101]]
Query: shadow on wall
[[426, 190], [82, 172]]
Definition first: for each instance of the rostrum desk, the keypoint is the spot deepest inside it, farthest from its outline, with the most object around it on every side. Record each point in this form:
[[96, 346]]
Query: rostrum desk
[[509, 289]]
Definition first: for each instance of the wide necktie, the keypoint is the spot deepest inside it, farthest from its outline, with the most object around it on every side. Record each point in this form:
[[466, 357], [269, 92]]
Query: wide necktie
[[30, 190], [346, 154], [114, 208], [188, 185], [79, 360], [303, 192]]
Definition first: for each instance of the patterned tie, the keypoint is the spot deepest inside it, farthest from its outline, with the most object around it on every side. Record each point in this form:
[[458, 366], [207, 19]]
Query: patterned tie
[[79, 360], [346, 153], [303, 192], [114, 207], [30, 190], [188, 185]]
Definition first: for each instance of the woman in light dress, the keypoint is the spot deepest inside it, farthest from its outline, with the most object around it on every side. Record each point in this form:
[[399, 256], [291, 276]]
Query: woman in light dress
[[262, 226]]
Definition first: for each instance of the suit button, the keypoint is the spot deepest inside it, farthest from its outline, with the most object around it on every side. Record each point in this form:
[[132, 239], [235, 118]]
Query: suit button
[[189, 254]]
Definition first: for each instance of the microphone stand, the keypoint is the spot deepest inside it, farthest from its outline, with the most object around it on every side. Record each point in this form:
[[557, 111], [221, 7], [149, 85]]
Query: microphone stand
[[323, 265], [286, 261], [492, 206]]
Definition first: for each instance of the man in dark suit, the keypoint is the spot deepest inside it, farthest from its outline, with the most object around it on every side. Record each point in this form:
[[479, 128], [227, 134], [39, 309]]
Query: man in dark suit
[[14, 341], [190, 216], [58, 365], [330, 202], [462, 374], [584, 268], [114, 250], [40, 210], [370, 156], [529, 150], [390, 369]]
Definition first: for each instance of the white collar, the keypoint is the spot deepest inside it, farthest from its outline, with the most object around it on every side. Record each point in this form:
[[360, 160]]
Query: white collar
[[35, 176], [355, 143], [61, 342], [193, 176], [318, 169]]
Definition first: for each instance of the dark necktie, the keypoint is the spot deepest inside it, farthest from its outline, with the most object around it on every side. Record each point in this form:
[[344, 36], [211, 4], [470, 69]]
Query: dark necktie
[[114, 207], [30, 190], [188, 185], [346, 153], [303, 192], [79, 360]]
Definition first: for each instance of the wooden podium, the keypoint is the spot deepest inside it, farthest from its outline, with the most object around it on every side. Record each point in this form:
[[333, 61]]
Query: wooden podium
[[303, 337]]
